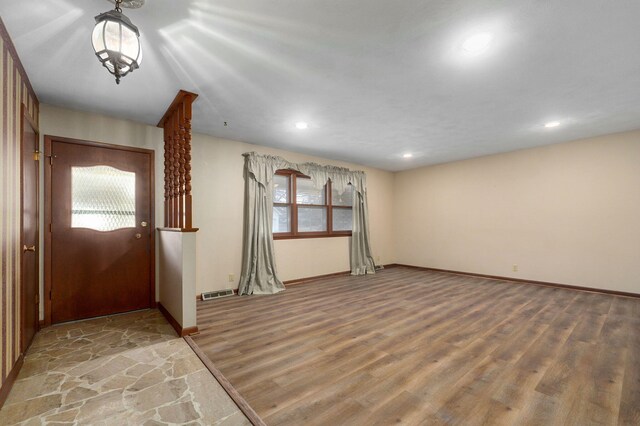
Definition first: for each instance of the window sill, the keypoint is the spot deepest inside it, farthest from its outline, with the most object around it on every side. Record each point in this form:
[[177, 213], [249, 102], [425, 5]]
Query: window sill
[[303, 236]]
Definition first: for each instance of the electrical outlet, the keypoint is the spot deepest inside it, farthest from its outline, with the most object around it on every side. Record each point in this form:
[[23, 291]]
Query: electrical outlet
[[232, 278], [515, 268]]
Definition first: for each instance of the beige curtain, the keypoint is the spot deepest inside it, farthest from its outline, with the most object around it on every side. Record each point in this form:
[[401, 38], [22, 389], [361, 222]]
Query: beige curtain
[[361, 256], [258, 275]]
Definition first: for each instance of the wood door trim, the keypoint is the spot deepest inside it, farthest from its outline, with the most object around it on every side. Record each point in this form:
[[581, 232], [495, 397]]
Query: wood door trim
[[48, 142], [24, 112], [99, 144], [46, 299]]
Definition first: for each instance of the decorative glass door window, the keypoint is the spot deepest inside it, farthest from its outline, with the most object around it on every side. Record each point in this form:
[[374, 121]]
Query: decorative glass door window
[[102, 198]]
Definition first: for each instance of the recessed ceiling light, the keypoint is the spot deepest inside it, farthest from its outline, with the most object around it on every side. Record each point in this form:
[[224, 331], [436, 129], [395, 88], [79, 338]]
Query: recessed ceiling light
[[552, 124], [477, 43], [407, 155], [302, 125]]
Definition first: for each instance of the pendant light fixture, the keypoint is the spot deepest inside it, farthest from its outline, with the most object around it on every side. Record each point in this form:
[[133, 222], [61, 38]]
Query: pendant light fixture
[[116, 40]]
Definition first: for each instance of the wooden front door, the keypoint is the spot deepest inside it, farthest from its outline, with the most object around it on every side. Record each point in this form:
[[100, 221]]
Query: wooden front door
[[29, 235], [101, 229]]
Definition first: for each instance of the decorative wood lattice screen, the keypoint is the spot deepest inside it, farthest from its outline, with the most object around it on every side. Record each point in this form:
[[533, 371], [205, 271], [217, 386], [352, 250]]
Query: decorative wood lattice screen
[[177, 162]]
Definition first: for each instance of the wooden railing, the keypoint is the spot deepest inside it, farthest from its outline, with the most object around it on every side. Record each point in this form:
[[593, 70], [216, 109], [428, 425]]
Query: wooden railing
[[176, 123]]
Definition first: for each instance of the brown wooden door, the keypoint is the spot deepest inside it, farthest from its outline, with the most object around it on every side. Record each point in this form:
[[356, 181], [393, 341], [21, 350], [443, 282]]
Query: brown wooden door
[[101, 229], [29, 237]]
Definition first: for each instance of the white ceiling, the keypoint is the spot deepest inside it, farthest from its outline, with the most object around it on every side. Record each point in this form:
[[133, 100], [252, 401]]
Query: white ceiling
[[374, 78]]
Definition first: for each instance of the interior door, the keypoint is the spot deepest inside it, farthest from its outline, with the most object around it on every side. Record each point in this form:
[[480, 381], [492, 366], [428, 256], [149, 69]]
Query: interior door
[[29, 235], [101, 229]]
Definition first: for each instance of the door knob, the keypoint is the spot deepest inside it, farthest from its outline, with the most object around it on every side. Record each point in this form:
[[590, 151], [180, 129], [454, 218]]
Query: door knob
[[138, 236], [143, 224], [26, 249]]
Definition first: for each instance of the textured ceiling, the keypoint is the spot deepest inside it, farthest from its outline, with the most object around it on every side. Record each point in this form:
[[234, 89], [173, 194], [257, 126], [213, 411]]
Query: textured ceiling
[[373, 78]]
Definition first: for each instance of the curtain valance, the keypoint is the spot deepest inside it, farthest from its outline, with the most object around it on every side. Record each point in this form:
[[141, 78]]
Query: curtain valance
[[263, 167]]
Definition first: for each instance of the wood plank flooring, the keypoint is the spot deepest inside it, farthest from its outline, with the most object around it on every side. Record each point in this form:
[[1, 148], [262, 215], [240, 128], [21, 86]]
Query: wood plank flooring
[[416, 347]]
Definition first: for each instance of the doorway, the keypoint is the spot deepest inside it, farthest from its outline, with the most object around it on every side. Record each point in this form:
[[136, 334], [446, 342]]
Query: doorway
[[99, 245], [29, 232]]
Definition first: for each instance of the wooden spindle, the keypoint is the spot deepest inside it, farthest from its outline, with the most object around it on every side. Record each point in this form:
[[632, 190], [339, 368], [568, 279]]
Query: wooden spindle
[[187, 165], [181, 158], [176, 171], [166, 176], [170, 172]]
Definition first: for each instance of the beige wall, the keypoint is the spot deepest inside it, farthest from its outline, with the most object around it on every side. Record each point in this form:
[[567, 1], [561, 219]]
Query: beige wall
[[218, 191], [566, 213], [218, 188], [175, 259]]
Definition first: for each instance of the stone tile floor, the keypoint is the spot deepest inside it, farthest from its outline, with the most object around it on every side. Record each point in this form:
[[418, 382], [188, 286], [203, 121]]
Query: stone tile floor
[[127, 369]]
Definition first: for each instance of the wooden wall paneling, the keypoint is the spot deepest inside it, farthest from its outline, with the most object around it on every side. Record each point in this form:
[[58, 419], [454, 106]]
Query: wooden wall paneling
[[16, 90], [29, 229]]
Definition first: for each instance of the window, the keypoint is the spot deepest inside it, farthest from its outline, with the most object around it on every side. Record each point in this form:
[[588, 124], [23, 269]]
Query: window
[[300, 210], [102, 198]]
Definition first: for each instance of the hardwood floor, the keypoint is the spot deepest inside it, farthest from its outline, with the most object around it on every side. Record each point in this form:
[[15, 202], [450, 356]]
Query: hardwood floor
[[416, 347]]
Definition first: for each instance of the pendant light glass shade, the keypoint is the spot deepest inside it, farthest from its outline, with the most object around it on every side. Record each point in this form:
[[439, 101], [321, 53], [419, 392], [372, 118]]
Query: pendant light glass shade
[[116, 43]]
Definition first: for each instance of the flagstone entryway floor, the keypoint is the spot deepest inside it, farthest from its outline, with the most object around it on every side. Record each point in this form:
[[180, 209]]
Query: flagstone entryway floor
[[128, 369]]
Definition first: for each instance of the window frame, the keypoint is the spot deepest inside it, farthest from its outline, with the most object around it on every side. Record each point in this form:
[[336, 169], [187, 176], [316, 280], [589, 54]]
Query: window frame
[[293, 209]]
